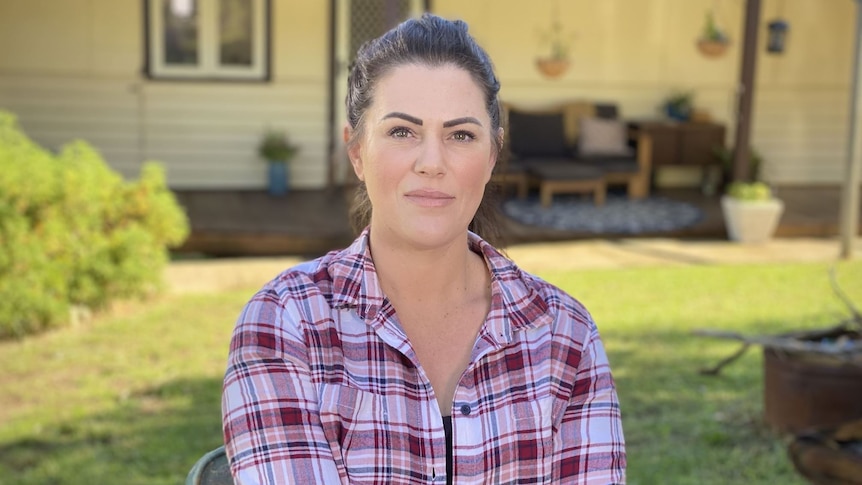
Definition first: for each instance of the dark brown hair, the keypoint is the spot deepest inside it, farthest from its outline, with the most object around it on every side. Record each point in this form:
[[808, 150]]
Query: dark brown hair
[[432, 41]]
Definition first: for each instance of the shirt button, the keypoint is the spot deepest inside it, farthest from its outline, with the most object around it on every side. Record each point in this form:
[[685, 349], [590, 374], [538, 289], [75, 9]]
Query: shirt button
[[465, 409]]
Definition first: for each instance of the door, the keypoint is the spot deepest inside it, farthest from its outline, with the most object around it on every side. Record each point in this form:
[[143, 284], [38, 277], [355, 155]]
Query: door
[[357, 21]]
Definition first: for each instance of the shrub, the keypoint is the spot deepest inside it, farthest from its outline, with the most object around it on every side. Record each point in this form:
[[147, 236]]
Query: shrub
[[73, 233]]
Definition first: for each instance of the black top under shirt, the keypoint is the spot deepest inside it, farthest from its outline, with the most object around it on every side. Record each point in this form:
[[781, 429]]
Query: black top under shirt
[[447, 429]]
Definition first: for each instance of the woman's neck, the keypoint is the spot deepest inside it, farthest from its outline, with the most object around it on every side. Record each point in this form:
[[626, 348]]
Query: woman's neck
[[447, 273]]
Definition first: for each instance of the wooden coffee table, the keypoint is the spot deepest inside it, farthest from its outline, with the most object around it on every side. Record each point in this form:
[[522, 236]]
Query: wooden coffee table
[[558, 178]]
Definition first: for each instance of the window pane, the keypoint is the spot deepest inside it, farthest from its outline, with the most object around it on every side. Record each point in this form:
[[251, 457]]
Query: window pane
[[235, 32], [181, 31]]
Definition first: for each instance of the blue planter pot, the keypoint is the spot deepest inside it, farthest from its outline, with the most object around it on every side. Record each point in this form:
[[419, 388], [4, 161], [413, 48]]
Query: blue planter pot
[[677, 114], [278, 178]]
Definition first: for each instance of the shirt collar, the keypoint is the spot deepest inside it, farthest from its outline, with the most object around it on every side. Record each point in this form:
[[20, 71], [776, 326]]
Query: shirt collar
[[515, 302]]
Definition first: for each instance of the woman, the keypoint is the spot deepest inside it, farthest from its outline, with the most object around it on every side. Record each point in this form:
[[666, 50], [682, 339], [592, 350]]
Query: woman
[[420, 354]]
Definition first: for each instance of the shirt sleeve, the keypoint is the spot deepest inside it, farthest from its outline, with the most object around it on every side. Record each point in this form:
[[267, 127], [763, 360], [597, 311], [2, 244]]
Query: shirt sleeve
[[270, 413], [590, 448]]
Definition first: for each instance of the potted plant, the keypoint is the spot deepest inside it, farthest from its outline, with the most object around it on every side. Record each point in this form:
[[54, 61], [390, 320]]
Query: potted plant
[[751, 212], [679, 105], [277, 150], [713, 41]]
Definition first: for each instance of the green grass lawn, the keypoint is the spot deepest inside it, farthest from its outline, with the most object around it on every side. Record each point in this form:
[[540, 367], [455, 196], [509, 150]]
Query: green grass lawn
[[133, 397]]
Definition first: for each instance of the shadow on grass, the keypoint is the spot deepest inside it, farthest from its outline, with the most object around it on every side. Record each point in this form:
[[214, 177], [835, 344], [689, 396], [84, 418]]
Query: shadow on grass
[[154, 437]]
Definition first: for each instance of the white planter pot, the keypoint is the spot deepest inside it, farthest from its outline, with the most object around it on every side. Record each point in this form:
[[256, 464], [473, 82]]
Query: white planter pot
[[751, 221]]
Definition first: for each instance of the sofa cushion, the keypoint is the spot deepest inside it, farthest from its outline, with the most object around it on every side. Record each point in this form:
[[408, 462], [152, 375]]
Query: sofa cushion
[[563, 169], [602, 137], [606, 111], [537, 134], [611, 164]]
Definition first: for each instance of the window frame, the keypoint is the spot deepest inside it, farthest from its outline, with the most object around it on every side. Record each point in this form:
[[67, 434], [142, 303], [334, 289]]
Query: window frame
[[208, 68]]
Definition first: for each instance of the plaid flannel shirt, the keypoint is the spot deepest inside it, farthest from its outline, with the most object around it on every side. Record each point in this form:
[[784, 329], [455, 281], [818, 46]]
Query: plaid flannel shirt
[[323, 387]]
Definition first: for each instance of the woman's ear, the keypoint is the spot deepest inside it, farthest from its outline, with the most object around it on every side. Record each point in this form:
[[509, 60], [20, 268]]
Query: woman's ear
[[353, 152]]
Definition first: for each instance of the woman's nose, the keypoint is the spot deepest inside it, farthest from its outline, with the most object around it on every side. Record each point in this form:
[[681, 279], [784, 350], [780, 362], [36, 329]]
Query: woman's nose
[[430, 160]]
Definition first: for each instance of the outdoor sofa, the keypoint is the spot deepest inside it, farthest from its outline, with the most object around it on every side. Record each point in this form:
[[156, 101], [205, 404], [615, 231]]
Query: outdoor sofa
[[576, 146]]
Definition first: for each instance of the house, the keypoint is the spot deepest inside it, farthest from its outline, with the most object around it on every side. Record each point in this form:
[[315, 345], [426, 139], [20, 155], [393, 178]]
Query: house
[[195, 83]]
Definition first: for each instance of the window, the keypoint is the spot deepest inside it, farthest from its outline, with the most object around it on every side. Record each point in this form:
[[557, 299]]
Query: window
[[208, 39]]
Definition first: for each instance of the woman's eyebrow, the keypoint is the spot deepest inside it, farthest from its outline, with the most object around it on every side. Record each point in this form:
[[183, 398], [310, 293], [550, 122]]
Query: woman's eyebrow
[[405, 117], [461, 121]]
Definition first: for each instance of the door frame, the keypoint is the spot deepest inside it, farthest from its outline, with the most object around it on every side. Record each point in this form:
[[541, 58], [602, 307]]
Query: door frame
[[338, 19]]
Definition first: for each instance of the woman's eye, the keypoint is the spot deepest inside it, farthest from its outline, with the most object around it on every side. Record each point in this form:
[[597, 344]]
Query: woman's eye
[[399, 132], [463, 136]]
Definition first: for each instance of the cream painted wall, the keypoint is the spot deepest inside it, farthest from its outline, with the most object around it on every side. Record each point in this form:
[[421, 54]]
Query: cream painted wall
[[71, 37], [44, 35], [802, 103], [301, 40], [634, 52], [75, 72]]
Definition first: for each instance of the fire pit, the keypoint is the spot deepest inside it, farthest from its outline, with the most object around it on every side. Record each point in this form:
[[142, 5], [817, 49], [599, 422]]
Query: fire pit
[[813, 380], [813, 390]]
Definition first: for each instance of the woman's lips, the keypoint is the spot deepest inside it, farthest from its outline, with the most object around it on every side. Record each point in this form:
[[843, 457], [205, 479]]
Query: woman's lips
[[429, 198]]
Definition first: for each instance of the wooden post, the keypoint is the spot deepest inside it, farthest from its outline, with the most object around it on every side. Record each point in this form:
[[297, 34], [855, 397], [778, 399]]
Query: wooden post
[[745, 94], [331, 122], [850, 192]]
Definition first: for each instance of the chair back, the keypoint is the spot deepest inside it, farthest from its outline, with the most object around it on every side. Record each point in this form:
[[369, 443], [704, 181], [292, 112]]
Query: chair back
[[211, 469]]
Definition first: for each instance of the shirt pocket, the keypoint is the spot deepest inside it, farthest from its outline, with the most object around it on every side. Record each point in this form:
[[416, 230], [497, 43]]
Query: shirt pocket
[[356, 424], [533, 439]]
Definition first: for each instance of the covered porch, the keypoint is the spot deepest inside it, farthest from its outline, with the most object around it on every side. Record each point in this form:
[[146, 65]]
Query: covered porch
[[311, 222]]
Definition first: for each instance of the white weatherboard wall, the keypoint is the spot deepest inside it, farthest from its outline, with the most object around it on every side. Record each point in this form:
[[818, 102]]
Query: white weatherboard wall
[[72, 69]]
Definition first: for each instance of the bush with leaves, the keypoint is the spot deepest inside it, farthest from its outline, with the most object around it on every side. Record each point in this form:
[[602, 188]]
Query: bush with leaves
[[73, 233]]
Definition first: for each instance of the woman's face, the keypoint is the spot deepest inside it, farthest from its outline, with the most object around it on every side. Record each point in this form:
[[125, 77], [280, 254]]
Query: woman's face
[[425, 154]]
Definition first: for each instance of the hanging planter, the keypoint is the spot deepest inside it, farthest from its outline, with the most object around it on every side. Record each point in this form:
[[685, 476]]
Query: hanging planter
[[714, 41], [556, 62], [552, 68], [712, 48]]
